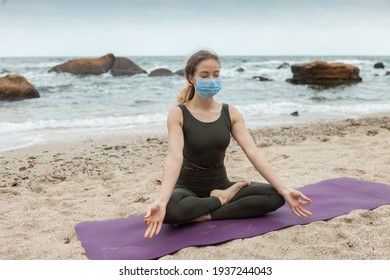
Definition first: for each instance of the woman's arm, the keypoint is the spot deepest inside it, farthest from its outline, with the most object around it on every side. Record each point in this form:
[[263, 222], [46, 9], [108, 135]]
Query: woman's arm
[[171, 170], [174, 159], [245, 140]]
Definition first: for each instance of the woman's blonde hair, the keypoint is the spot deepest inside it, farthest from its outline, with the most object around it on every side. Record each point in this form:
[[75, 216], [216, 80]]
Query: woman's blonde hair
[[187, 93]]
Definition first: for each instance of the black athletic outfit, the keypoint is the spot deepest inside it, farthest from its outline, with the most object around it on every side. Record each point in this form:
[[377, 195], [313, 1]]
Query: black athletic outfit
[[203, 170]]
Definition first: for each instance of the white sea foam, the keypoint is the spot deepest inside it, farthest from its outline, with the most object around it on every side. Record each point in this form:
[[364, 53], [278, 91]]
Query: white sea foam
[[106, 123]]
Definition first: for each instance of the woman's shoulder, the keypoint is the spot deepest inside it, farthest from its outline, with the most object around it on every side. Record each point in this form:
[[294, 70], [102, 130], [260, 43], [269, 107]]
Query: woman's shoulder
[[234, 113], [175, 114], [232, 109]]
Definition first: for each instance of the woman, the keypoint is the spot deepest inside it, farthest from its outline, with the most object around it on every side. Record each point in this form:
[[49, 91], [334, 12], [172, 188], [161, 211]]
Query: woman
[[195, 186]]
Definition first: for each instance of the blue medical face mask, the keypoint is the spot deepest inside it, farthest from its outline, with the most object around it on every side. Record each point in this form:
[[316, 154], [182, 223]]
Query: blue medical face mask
[[207, 88]]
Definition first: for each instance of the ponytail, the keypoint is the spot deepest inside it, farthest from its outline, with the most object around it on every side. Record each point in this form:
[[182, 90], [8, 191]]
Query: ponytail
[[186, 94]]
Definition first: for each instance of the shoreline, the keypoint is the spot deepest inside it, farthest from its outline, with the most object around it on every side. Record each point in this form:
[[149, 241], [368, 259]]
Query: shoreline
[[160, 131], [45, 190]]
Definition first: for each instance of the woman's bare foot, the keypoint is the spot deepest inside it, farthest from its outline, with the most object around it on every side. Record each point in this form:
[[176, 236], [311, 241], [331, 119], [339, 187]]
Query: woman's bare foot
[[203, 218], [226, 195]]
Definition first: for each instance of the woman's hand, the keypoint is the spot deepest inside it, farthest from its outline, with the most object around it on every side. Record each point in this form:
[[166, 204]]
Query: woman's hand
[[154, 218], [296, 200]]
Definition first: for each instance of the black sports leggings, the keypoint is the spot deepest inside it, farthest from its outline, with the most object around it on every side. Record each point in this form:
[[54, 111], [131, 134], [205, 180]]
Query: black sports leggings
[[251, 201]]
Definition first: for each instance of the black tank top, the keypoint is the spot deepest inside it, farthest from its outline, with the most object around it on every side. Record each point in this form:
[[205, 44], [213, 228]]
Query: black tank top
[[204, 151], [205, 143]]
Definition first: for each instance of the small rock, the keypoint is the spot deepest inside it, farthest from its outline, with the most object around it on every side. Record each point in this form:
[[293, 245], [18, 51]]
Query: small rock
[[261, 78], [78, 158], [284, 65], [350, 244], [141, 199], [295, 114], [379, 65], [66, 240], [3, 185], [120, 147], [240, 69], [15, 183]]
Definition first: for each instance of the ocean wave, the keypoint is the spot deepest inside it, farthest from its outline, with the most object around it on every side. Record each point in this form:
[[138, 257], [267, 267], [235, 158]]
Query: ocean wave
[[107, 122], [4, 71], [54, 88]]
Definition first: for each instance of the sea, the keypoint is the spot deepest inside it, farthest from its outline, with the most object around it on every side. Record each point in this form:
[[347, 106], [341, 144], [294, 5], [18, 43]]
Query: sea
[[74, 107]]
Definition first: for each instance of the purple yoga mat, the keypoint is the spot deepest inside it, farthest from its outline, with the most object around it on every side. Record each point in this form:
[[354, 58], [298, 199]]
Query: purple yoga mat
[[122, 239]]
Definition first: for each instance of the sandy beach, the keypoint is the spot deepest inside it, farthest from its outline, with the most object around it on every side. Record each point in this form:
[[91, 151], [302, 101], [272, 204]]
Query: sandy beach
[[46, 189]]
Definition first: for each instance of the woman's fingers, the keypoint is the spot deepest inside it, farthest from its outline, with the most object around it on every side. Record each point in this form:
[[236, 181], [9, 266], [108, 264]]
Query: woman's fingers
[[158, 228], [151, 230], [305, 201], [301, 212], [294, 209], [305, 197], [147, 232], [307, 212]]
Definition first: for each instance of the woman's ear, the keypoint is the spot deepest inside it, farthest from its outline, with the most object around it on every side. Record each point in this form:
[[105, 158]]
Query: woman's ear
[[192, 80]]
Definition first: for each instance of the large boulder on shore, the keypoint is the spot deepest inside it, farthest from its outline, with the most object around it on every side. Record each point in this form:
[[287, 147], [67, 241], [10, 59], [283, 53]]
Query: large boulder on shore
[[161, 72], [16, 87], [324, 73], [125, 67], [86, 66]]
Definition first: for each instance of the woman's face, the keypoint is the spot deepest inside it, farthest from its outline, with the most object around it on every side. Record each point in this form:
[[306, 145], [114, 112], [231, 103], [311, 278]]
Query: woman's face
[[208, 68]]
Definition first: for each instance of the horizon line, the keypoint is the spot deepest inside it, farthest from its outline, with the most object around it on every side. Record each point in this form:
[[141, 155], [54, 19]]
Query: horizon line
[[221, 55]]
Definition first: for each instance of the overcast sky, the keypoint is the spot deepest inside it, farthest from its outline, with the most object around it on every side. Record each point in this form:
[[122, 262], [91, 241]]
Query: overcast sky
[[179, 27]]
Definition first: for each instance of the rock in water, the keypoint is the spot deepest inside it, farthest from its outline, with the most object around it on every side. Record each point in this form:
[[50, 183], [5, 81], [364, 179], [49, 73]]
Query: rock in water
[[261, 78], [86, 66], [284, 65], [379, 65], [16, 87], [324, 73], [161, 72], [123, 66], [180, 72]]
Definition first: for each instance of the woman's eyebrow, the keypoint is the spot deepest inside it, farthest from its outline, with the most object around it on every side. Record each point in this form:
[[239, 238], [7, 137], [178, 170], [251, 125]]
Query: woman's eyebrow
[[206, 72]]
